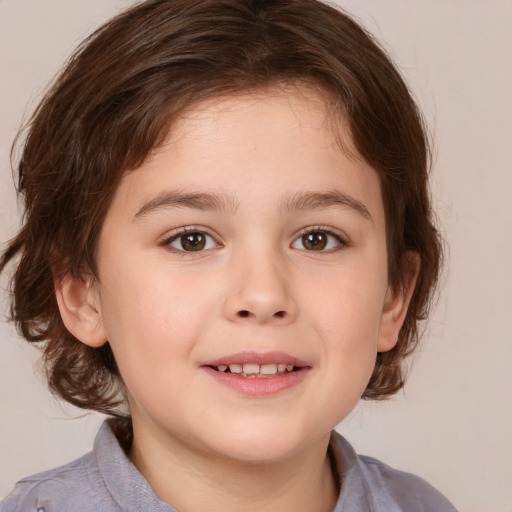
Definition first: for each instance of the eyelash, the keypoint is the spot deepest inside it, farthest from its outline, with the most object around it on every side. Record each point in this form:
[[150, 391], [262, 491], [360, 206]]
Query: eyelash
[[189, 230], [341, 241]]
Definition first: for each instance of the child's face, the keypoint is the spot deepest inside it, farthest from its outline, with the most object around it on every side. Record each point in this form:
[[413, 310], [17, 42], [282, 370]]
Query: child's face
[[289, 267]]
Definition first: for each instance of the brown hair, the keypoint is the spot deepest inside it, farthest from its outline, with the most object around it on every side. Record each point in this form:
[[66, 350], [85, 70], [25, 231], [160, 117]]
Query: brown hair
[[114, 102]]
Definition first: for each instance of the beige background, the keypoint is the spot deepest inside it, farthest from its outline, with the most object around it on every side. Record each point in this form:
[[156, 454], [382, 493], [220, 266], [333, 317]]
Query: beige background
[[453, 425]]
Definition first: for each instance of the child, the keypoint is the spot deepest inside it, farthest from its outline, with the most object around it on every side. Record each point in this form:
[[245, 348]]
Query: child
[[228, 241]]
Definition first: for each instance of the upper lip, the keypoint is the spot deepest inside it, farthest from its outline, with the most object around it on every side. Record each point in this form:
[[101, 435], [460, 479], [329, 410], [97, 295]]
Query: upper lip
[[257, 358]]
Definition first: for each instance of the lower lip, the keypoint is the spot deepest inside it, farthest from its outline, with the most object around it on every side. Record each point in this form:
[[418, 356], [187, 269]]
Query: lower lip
[[258, 386]]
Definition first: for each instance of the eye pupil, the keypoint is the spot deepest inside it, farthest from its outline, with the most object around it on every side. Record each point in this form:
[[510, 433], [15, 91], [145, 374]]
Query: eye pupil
[[315, 241], [193, 241]]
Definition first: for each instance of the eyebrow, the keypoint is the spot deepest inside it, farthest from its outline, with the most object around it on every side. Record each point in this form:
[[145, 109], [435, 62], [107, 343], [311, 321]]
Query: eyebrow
[[221, 202], [318, 200], [197, 201]]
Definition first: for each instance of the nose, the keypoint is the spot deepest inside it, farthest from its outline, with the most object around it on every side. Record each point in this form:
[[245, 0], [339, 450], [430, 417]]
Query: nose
[[261, 293]]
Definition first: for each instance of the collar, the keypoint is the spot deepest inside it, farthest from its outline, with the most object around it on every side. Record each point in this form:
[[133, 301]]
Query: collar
[[127, 486], [132, 492]]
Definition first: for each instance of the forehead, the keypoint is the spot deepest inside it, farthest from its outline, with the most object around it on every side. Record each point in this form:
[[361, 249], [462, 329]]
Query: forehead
[[297, 106], [305, 105], [261, 145]]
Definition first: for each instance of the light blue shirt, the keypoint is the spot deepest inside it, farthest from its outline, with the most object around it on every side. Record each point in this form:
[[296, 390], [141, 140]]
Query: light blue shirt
[[104, 480]]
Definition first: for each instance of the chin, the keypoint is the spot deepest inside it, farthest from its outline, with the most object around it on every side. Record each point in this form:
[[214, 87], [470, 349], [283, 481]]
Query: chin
[[263, 445]]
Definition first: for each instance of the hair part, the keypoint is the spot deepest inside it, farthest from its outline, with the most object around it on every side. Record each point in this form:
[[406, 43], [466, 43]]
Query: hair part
[[115, 102]]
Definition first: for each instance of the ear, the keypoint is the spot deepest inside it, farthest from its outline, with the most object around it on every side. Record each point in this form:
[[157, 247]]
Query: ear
[[78, 302], [396, 304]]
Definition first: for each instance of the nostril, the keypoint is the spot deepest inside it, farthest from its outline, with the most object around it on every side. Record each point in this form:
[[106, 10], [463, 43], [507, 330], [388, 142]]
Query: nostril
[[244, 313]]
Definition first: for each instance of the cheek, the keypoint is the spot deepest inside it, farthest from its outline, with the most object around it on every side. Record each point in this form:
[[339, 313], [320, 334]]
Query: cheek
[[345, 313], [152, 318], [151, 332], [348, 301]]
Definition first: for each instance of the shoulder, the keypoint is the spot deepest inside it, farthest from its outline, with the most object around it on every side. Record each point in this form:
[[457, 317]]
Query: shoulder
[[408, 491], [369, 484], [75, 486]]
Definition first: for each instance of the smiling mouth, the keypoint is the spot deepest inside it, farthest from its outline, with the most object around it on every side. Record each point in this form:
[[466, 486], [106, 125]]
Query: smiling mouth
[[253, 370]]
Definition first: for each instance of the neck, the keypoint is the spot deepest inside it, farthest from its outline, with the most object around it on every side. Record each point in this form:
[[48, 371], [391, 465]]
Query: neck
[[190, 480]]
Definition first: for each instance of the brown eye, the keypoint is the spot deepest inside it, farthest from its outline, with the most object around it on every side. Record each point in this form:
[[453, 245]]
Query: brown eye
[[192, 241], [319, 240], [316, 241]]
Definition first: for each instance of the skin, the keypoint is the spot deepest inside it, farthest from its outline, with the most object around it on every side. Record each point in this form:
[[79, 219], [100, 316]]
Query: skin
[[256, 286]]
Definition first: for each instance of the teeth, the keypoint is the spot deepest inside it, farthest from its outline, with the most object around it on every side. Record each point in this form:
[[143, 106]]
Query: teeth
[[235, 368], [256, 369], [268, 369], [250, 368]]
